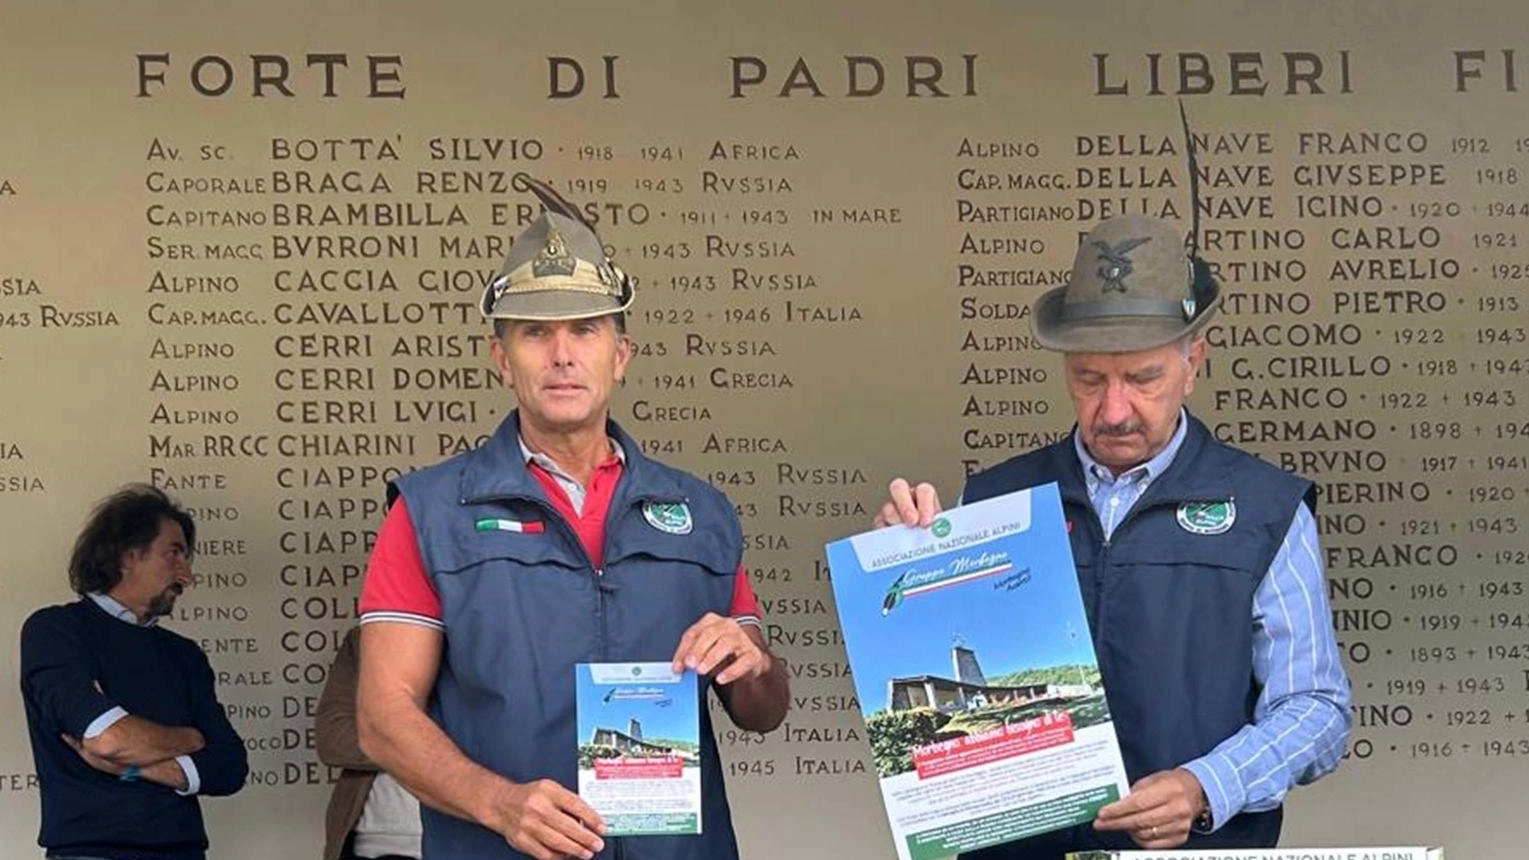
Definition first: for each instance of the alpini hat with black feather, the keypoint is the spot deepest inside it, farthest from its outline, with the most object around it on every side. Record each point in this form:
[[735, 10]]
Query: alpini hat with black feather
[[1135, 284], [557, 268]]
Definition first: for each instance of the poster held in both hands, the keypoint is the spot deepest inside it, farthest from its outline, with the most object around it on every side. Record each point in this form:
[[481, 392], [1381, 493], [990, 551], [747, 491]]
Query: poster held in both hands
[[976, 675]]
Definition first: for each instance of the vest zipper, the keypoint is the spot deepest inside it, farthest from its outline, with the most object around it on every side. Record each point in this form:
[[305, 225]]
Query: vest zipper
[[1079, 501], [551, 513], [1101, 564], [605, 639], [600, 586]]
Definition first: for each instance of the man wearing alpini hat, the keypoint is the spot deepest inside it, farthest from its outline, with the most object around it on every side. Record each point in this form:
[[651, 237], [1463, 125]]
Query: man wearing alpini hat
[[1199, 564], [555, 543]]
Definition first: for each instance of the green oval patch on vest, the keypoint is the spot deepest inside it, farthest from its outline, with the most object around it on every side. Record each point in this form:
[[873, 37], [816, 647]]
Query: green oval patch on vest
[[1207, 518], [670, 517]]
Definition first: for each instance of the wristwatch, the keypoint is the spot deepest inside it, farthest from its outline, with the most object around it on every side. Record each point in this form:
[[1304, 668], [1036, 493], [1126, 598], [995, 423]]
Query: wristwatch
[[131, 774], [1202, 822]]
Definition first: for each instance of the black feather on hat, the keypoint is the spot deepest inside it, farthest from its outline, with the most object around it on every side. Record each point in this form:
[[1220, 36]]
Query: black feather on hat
[[1135, 284]]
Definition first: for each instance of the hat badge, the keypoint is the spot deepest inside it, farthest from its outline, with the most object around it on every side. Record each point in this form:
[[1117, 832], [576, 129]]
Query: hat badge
[[1116, 264], [554, 258]]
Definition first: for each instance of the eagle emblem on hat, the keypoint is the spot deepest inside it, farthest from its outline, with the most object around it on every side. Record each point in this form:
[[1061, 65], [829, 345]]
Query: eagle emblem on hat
[[1116, 264], [554, 258]]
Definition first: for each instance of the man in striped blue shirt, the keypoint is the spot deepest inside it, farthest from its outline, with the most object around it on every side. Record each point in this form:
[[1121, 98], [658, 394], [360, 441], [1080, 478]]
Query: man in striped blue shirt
[[1198, 563]]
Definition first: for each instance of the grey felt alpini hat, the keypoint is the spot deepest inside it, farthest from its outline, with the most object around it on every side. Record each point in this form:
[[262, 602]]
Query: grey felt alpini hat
[[1134, 286], [557, 268]]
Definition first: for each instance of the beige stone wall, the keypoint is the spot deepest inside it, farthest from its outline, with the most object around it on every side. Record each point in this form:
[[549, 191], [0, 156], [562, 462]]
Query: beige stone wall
[[241, 248]]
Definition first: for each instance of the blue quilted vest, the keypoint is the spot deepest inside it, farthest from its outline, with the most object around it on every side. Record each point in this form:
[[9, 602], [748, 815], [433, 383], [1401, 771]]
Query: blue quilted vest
[[521, 609], [1170, 609]]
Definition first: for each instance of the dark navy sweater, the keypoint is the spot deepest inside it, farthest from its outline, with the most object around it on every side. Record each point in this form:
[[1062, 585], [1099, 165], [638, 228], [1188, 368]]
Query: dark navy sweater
[[77, 663]]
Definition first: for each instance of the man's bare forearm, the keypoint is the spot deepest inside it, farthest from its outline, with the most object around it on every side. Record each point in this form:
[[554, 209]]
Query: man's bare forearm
[[759, 704], [403, 740]]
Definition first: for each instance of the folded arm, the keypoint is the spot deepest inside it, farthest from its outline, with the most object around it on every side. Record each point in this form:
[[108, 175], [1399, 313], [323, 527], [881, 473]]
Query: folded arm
[[59, 673]]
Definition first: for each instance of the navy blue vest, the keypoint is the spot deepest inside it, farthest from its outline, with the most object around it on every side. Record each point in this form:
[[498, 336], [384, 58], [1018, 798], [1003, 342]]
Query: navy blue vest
[[1170, 609], [521, 609]]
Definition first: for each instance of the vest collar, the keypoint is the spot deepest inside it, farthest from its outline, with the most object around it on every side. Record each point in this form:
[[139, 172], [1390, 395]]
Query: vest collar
[[1182, 481], [1186, 478], [497, 470]]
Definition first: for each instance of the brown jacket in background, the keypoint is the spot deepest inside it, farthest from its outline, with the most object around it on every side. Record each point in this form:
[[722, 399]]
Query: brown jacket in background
[[335, 727]]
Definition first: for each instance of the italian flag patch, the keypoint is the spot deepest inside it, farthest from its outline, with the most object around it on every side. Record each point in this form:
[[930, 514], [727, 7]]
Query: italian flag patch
[[530, 527]]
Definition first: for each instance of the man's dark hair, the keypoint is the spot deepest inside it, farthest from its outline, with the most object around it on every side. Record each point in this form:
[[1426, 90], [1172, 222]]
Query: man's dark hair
[[127, 519], [503, 325]]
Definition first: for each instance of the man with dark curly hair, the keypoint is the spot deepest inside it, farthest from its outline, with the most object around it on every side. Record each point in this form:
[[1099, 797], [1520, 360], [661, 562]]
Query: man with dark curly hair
[[125, 724]]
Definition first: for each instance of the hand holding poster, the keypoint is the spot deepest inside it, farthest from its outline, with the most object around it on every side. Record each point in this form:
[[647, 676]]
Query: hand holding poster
[[639, 747], [974, 667]]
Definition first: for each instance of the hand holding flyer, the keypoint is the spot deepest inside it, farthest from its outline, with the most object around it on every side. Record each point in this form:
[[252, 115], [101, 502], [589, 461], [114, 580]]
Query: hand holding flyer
[[639, 747], [975, 670]]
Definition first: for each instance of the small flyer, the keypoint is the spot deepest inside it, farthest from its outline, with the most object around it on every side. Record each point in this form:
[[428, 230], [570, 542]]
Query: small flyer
[[639, 747], [976, 674]]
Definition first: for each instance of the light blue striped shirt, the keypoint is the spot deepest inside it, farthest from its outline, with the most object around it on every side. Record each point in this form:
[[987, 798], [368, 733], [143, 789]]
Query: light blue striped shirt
[[1301, 719]]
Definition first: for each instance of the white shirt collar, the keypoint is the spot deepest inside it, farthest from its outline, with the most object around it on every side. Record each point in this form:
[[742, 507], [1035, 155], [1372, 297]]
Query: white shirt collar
[[116, 610]]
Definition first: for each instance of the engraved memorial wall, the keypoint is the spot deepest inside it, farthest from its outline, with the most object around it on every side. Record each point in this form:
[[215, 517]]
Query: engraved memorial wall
[[240, 255]]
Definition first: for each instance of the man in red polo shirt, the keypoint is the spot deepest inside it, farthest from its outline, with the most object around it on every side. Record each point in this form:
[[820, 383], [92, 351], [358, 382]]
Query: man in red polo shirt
[[557, 542]]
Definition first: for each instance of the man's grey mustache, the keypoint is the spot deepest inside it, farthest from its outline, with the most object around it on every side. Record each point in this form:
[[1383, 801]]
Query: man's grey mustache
[[1127, 429]]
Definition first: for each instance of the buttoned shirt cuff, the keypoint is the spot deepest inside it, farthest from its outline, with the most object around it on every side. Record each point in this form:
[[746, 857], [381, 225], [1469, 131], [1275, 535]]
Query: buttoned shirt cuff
[[193, 778], [103, 722], [1223, 789]]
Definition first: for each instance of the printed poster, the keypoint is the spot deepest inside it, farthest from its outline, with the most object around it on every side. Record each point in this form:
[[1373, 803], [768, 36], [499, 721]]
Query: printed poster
[[977, 677]]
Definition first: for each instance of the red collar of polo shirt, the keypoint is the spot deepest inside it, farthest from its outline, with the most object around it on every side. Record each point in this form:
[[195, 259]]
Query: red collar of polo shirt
[[540, 459], [590, 524]]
